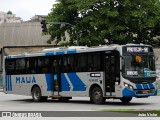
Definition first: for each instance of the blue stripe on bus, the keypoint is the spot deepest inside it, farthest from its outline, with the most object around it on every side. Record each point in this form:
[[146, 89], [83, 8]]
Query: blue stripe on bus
[[59, 52], [145, 86], [8, 57], [71, 51], [64, 83], [49, 81], [77, 83], [139, 86], [6, 83], [49, 53], [151, 86], [10, 83]]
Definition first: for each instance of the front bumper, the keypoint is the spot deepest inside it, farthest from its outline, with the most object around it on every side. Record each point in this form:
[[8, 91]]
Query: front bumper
[[139, 93]]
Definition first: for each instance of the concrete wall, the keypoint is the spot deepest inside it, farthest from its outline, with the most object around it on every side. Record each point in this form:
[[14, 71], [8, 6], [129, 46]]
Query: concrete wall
[[27, 33]]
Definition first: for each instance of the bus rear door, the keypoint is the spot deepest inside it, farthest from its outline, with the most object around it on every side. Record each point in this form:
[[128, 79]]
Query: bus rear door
[[56, 71]]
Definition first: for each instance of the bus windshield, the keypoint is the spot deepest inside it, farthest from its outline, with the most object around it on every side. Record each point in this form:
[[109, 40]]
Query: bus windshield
[[139, 65]]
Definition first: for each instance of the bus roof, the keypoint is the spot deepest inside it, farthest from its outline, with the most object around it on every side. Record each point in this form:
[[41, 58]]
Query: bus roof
[[69, 50]]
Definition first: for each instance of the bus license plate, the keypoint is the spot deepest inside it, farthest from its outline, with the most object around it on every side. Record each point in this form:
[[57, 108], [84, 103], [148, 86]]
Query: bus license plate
[[145, 92]]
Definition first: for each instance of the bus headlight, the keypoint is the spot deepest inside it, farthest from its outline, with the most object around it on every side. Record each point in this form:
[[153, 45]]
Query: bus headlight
[[128, 86], [131, 87]]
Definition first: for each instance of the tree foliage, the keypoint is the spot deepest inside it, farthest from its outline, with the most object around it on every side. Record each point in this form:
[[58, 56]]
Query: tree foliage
[[105, 21]]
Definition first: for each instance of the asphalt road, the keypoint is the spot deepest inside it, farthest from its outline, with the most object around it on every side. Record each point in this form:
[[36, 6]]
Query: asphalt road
[[10, 102]]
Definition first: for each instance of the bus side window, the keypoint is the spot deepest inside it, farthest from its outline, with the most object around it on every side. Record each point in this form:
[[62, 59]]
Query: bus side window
[[94, 62], [10, 67], [81, 62], [31, 65], [68, 63], [43, 65], [20, 66], [77, 67]]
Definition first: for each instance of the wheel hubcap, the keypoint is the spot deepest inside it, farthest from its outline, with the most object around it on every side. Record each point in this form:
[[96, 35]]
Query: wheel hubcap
[[97, 95], [36, 94]]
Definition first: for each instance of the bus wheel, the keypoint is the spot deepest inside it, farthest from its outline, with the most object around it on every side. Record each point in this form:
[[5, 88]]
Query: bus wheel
[[36, 94], [126, 99], [97, 96]]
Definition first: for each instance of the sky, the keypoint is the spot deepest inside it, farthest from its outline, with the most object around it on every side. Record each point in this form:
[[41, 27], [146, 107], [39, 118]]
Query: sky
[[26, 9]]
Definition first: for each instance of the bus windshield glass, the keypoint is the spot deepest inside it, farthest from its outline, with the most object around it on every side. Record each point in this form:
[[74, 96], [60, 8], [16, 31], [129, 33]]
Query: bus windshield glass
[[139, 64]]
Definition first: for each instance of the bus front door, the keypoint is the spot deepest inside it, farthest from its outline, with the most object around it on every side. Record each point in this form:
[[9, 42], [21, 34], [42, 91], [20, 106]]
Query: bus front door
[[112, 74], [56, 70]]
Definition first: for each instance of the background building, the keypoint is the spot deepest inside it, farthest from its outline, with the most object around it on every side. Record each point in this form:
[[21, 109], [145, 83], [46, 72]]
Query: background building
[[22, 33], [9, 18]]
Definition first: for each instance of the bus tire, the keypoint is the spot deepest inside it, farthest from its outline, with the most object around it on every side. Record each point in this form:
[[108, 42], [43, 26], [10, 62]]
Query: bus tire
[[97, 96], [126, 99], [36, 94]]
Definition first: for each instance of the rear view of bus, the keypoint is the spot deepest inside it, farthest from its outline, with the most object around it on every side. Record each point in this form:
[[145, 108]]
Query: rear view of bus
[[138, 72]]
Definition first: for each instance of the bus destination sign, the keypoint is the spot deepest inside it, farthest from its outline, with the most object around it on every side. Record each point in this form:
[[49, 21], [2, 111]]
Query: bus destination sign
[[137, 49]]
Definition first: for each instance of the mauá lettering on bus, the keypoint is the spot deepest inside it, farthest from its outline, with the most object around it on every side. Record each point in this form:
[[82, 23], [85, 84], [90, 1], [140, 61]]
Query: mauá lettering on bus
[[25, 80]]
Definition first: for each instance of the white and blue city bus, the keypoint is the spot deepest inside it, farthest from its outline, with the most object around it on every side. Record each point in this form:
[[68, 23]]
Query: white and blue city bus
[[115, 71]]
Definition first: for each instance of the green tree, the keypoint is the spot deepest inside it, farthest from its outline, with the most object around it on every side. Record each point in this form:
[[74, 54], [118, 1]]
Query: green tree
[[63, 11], [9, 12], [106, 21]]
